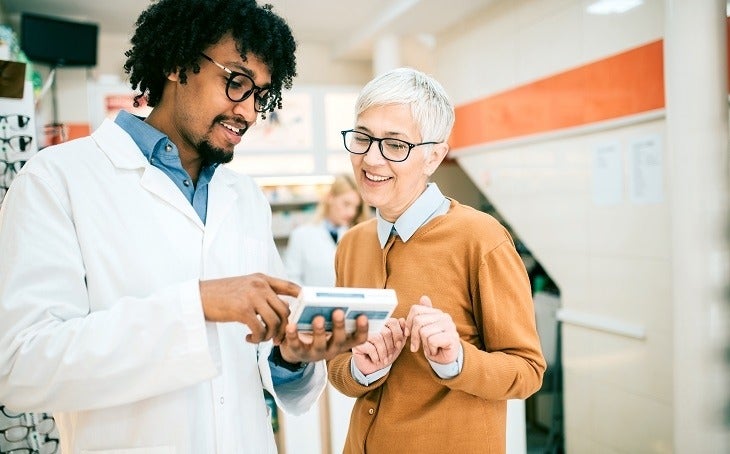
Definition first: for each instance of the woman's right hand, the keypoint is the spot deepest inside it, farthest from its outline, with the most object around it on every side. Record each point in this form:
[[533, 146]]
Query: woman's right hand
[[381, 349]]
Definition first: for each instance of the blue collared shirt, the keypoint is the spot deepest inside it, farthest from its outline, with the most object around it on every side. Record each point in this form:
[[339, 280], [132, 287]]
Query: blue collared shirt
[[163, 154], [428, 205]]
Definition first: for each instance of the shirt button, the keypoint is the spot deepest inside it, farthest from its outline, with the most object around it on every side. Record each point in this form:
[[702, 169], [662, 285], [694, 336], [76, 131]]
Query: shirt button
[[168, 147], [186, 182], [371, 411], [222, 401]]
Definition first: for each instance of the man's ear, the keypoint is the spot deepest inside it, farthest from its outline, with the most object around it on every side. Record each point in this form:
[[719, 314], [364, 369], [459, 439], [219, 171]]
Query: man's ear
[[435, 156], [174, 76]]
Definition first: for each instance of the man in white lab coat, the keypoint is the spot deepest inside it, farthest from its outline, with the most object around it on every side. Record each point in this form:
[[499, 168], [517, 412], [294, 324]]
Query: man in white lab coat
[[139, 281]]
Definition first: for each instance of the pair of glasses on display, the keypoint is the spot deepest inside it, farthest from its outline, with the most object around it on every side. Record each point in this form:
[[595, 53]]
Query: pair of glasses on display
[[20, 432], [32, 429], [48, 446], [16, 122], [16, 143], [8, 170]]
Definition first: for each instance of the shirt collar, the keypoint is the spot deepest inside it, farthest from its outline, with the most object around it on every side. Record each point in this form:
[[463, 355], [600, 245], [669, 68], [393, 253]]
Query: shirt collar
[[428, 205], [144, 135], [153, 143]]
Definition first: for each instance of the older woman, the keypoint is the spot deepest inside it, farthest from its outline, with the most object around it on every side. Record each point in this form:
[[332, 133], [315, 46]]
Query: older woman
[[464, 303]]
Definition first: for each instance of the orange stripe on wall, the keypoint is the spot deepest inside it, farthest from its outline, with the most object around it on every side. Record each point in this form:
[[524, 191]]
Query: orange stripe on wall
[[617, 86]]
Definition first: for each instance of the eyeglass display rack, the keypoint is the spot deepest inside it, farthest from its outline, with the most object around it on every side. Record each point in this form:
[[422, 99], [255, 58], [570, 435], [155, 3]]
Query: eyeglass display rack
[[17, 136], [27, 433]]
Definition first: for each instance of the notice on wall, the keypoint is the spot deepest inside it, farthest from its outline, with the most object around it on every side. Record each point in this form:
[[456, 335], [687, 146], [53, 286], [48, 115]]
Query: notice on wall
[[646, 171], [607, 174]]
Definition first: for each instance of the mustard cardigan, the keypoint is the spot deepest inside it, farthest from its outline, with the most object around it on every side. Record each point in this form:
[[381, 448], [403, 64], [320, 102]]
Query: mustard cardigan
[[466, 262]]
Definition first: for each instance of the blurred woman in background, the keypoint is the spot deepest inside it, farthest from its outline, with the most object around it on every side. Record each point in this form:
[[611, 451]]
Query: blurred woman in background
[[310, 260], [310, 252]]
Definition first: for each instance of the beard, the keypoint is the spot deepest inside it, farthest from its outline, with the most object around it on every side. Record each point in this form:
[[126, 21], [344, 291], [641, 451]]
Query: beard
[[210, 154], [213, 155]]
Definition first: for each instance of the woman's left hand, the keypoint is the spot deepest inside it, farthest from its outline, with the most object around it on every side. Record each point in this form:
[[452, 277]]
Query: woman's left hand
[[434, 329]]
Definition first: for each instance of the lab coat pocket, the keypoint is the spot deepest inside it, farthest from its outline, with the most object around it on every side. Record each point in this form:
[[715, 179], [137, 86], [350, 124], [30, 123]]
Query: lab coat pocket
[[147, 450]]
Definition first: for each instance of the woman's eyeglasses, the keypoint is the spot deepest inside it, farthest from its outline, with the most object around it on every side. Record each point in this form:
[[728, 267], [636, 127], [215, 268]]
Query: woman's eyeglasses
[[394, 150]]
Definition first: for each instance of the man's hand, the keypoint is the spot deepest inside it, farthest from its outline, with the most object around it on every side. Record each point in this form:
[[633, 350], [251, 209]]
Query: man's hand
[[305, 347], [252, 300], [381, 349]]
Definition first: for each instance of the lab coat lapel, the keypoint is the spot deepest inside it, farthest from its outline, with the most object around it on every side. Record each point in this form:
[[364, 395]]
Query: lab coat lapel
[[221, 199], [125, 154], [156, 182]]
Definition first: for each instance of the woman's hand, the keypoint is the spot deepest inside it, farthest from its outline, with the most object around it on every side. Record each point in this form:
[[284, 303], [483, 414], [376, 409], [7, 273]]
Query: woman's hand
[[435, 330], [381, 349]]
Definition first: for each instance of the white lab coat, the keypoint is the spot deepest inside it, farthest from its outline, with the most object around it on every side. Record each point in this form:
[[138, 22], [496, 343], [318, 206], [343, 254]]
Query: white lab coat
[[100, 313]]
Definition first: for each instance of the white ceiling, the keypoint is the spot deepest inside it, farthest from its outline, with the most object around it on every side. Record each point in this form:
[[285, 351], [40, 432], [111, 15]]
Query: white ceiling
[[348, 27]]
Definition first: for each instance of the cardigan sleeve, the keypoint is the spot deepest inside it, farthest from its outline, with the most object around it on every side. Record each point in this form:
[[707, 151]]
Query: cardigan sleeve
[[511, 365], [339, 374]]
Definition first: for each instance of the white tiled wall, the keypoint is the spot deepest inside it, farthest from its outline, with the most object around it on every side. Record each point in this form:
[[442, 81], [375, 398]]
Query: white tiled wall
[[609, 261]]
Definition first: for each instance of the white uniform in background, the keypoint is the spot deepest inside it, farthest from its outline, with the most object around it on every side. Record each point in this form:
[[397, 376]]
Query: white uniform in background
[[100, 314], [310, 260], [310, 255]]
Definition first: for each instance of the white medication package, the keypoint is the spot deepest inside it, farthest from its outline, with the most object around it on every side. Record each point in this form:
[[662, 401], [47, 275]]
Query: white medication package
[[377, 303]]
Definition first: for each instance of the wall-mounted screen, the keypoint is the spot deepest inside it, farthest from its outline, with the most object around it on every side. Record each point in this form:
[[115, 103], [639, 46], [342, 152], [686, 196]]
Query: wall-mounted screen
[[58, 42]]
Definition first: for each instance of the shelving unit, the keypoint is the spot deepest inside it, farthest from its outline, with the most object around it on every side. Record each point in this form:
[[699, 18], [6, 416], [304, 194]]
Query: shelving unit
[[293, 202]]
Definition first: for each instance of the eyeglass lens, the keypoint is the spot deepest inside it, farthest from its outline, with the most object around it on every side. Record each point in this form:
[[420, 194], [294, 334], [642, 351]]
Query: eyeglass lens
[[15, 433], [16, 143], [391, 149], [15, 122], [10, 168], [48, 446], [241, 86], [33, 430]]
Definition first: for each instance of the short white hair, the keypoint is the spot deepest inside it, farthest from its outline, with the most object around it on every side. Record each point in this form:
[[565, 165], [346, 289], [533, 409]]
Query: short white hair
[[431, 107]]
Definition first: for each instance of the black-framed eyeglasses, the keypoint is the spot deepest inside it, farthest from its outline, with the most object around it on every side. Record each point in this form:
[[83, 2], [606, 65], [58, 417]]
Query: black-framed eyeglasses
[[19, 432], [17, 143], [16, 433], [240, 86], [49, 446], [8, 170], [16, 122], [394, 150]]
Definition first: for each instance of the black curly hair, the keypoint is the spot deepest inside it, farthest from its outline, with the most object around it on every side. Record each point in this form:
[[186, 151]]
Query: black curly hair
[[172, 34]]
